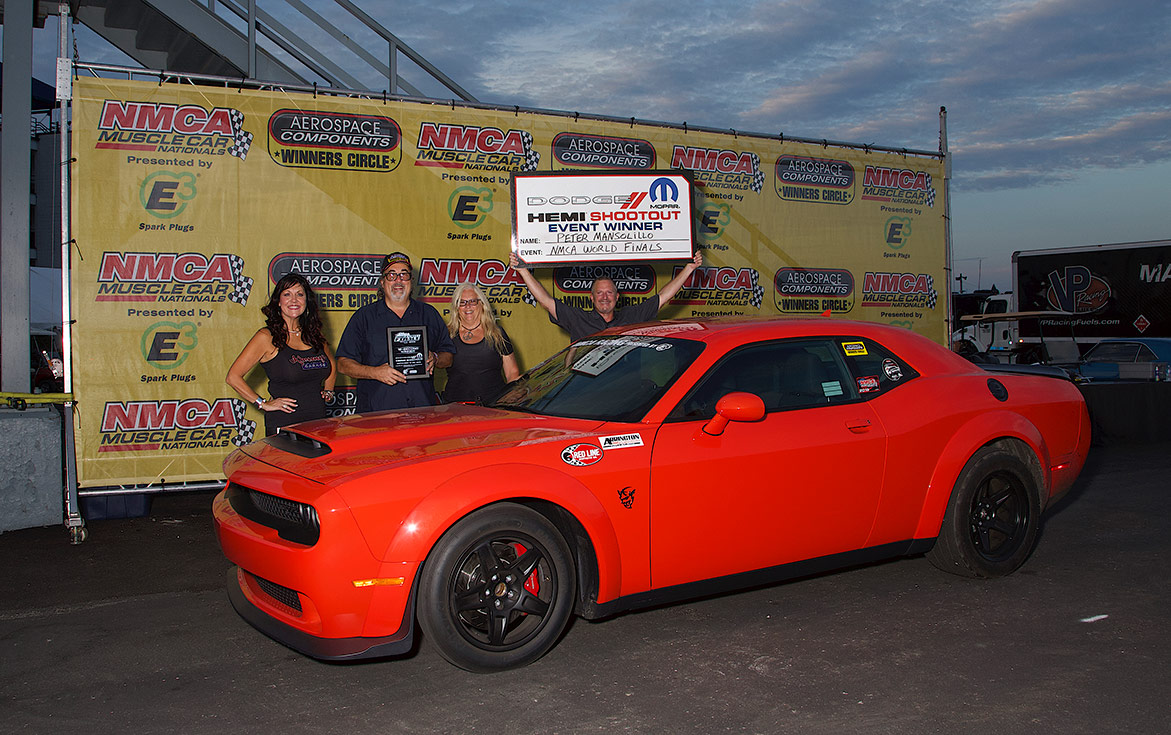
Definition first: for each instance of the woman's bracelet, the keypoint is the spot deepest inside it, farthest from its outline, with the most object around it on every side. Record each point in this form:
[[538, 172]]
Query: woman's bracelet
[[260, 402]]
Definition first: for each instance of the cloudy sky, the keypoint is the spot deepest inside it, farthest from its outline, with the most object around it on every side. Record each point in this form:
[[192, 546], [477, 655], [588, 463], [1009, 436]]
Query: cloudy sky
[[1059, 111]]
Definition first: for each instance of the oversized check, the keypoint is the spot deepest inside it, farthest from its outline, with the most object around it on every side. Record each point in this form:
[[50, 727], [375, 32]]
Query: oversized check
[[562, 218]]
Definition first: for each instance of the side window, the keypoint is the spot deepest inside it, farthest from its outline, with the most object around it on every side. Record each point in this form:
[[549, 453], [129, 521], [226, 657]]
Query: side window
[[786, 375], [874, 368]]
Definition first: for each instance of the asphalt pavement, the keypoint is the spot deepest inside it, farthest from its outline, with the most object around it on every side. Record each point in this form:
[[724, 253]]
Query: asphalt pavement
[[131, 631]]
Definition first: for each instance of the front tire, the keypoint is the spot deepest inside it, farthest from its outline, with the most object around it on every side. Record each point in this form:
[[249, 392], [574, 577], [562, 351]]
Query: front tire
[[992, 518], [497, 590]]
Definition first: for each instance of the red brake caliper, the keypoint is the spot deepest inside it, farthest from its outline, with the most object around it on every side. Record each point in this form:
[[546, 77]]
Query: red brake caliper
[[532, 586]]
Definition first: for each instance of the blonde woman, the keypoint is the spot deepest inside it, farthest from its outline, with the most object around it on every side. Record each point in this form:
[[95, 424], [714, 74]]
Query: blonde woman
[[483, 352]]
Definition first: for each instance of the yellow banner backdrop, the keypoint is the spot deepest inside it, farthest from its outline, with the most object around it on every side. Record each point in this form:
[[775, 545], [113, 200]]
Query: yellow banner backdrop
[[189, 202]]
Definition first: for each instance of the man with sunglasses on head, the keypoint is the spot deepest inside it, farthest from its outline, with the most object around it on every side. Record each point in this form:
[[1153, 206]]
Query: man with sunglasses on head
[[364, 354]]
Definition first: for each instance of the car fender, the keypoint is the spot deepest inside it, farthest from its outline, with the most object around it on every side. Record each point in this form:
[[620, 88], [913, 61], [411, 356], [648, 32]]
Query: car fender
[[980, 430], [466, 492]]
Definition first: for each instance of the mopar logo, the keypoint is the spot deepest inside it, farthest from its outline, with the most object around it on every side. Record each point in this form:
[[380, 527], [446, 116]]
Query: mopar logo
[[663, 188]]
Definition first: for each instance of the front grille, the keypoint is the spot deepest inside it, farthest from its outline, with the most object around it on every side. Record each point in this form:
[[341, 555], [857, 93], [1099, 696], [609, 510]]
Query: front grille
[[293, 521], [283, 595]]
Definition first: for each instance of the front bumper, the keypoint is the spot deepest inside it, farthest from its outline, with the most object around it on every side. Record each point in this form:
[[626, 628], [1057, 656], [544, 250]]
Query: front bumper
[[327, 649], [329, 598]]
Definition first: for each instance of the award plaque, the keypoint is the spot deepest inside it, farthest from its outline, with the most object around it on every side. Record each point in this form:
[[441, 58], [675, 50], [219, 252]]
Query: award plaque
[[408, 351]]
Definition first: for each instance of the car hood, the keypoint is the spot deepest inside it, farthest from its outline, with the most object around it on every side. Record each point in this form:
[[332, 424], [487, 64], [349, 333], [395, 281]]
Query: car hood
[[329, 450]]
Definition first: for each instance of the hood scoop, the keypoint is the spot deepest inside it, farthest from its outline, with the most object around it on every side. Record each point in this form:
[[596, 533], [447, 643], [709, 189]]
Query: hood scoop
[[298, 444]]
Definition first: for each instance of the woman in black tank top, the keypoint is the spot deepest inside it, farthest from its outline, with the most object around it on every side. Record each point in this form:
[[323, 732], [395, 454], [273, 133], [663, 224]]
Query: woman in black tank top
[[296, 359]]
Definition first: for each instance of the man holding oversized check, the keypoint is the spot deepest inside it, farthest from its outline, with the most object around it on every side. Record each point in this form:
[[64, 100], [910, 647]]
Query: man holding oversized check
[[603, 217], [581, 323]]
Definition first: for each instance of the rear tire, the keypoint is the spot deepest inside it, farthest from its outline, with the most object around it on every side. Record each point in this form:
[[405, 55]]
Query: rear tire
[[992, 518], [497, 590]]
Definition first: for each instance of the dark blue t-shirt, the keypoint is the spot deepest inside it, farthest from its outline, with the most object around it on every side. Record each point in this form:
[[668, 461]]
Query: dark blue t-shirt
[[364, 341]]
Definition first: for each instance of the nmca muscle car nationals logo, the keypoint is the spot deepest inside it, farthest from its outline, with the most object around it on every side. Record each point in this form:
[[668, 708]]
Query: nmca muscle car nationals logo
[[807, 179], [720, 288], [578, 150], [439, 277], [898, 186], [334, 140], [718, 168], [181, 424], [899, 290], [167, 277], [166, 128], [475, 149], [813, 290]]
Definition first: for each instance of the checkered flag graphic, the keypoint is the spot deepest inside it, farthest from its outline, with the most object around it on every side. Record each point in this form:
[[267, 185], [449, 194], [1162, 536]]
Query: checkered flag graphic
[[242, 282], [245, 429], [757, 176], [242, 139], [930, 192], [757, 297], [932, 294], [532, 158], [528, 298]]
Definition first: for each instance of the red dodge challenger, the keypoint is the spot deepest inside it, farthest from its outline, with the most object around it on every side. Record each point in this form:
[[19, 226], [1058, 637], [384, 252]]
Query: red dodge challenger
[[644, 465]]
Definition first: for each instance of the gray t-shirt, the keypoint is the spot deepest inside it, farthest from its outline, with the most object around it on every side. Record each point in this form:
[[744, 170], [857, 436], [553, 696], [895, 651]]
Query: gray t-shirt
[[580, 323]]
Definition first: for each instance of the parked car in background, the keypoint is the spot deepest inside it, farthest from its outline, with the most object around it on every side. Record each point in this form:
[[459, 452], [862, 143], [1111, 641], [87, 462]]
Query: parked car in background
[[644, 465], [1137, 358]]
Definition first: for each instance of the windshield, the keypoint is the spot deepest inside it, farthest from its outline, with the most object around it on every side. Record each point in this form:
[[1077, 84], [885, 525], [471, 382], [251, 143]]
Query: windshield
[[1116, 352], [614, 378]]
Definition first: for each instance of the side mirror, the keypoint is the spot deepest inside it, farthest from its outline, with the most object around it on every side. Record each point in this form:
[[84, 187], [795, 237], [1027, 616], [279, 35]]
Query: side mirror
[[734, 407]]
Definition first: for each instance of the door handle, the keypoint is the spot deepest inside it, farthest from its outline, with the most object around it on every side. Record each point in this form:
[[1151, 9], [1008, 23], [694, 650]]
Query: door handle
[[858, 426]]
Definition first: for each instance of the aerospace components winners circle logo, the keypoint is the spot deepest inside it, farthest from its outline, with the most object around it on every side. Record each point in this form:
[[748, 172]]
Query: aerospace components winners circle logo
[[813, 290], [332, 140]]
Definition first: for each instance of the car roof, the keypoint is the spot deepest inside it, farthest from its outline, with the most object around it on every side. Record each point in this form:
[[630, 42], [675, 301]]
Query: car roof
[[1161, 346], [724, 332], [720, 328]]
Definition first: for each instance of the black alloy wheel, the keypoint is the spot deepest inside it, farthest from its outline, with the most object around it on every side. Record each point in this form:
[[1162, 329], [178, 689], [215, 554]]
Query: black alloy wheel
[[1000, 517], [497, 590], [992, 518]]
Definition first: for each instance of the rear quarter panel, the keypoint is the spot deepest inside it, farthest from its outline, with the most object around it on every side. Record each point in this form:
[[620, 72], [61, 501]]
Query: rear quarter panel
[[936, 423]]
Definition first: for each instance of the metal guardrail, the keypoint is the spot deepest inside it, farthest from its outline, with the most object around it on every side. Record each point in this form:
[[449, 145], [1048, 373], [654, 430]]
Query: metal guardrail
[[335, 55]]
